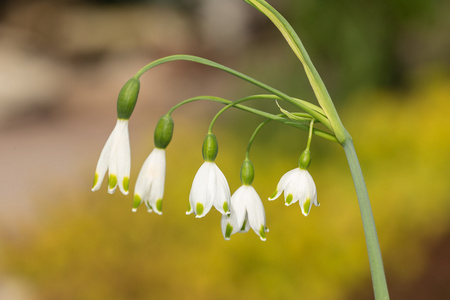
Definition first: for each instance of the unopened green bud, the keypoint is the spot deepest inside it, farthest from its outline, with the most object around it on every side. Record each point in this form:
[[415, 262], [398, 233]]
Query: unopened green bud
[[304, 160], [127, 98], [210, 147], [163, 132], [247, 172]]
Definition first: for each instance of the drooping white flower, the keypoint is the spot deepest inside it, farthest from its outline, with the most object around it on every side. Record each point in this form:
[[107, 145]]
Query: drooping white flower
[[297, 185], [210, 187], [115, 156], [247, 211], [150, 182]]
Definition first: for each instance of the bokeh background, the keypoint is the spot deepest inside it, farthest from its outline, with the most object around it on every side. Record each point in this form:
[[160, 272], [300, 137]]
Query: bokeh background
[[62, 63]]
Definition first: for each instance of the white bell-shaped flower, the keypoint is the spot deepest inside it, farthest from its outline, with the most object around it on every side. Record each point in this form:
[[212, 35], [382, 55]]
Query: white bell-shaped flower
[[210, 187], [297, 185], [115, 156], [247, 211], [150, 182]]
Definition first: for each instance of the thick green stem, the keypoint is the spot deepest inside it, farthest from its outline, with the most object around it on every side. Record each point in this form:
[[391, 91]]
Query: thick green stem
[[370, 232], [314, 78]]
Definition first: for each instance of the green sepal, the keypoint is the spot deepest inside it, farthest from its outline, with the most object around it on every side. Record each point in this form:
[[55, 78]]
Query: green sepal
[[210, 148], [304, 160], [247, 172], [163, 132], [127, 98]]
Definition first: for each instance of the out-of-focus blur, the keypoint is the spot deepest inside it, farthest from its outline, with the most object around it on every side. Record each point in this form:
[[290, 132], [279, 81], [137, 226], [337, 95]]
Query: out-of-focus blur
[[62, 64]]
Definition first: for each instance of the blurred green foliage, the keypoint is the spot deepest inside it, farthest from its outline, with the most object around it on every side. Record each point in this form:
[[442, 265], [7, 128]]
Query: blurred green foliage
[[90, 245]]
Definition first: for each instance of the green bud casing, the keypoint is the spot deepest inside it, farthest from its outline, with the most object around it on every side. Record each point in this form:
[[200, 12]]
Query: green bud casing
[[127, 98], [304, 160], [247, 172], [210, 147], [163, 132]]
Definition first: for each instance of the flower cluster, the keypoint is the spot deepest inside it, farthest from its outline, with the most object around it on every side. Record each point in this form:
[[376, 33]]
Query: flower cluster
[[240, 212]]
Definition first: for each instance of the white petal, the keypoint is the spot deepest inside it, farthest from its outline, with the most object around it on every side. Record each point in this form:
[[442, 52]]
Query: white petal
[[119, 160], [203, 189], [310, 194], [296, 186], [229, 225], [255, 212], [103, 161], [282, 184], [123, 157], [222, 192], [239, 205], [150, 181]]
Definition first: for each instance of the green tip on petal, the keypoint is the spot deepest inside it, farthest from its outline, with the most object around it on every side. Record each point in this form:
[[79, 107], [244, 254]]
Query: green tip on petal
[[262, 233], [226, 209], [228, 231], [126, 184], [159, 205], [306, 206], [136, 202], [112, 181], [289, 199], [95, 180], [199, 209], [243, 225], [273, 195]]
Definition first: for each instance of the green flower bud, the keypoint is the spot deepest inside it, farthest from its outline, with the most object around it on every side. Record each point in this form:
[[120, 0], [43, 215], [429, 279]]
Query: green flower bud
[[210, 147], [127, 98], [163, 132], [247, 172], [304, 160]]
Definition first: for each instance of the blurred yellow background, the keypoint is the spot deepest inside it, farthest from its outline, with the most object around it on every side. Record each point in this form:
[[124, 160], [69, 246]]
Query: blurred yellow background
[[62, 66]]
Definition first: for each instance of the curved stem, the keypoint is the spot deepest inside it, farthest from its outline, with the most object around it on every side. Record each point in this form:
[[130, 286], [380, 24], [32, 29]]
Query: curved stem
[[307, 108], [255, 111], [250, 142], [234, 103], [370, 232]]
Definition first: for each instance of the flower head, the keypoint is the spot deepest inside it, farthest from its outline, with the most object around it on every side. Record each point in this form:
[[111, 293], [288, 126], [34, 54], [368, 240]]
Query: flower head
[[297, 185], [210, 187], [115, 156], [247, 211], [150, 182]]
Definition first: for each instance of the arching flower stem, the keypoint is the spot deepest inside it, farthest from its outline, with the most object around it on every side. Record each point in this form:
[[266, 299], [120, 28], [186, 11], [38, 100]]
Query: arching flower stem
[[278, 118], [308, 108]]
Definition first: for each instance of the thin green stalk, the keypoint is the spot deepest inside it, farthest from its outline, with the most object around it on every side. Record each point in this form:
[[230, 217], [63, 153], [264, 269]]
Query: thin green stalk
[[311, 129], [307, 108], [250, 142], [255, 111], [370, 232]]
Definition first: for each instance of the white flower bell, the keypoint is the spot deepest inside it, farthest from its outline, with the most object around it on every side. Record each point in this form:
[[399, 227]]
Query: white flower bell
[[298, 185], [210, 187], [150, 182], [115, 156], [247, 210]]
